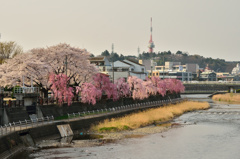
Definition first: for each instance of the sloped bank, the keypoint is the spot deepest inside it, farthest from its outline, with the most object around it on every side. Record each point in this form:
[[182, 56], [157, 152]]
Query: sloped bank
[[15, 142]]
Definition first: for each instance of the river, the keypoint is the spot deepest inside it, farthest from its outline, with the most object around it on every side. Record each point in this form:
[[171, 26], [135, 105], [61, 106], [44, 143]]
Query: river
[[204, 134]]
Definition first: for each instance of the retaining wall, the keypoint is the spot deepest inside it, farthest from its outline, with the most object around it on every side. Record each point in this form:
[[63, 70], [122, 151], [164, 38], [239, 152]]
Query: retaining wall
[[56, 111], [11, 144]]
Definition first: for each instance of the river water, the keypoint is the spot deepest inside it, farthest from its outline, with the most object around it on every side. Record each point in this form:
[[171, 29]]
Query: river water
[[204, 134]]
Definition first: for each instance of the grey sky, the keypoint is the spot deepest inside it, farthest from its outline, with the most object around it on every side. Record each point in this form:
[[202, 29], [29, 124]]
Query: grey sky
[[210, 28]]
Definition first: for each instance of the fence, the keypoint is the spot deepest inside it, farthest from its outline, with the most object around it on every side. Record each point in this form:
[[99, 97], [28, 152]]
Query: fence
[[121, 108], [47, 101], [21, 125], [212, 82], [12, 103]]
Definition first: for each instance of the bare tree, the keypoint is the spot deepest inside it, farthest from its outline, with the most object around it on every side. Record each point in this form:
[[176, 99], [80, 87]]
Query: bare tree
[[9, 50]]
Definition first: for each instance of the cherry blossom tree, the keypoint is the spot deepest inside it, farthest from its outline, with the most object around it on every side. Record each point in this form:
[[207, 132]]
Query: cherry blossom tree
[[137, 88], [174, 85], [149, 87], [103, 83], [61, 91], [90, 94], [177, 86], [161, 88], [38, 63], [122, 88]]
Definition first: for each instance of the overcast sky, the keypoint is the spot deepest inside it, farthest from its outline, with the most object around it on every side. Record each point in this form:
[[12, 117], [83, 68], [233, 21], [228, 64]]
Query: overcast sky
[[210, 28]]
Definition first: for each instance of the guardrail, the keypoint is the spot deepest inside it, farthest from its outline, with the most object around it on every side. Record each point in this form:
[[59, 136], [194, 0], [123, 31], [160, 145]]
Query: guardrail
[[21, 125], [201, 91], [211, 82], [1, 90], [121, 108], [47, 101], [12, 103]]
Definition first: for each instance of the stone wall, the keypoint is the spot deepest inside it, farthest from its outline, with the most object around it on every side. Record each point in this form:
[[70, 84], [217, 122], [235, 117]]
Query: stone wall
[[10, 144]]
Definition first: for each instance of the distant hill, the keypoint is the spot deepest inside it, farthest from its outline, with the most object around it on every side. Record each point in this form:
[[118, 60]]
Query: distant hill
[[218, 65]]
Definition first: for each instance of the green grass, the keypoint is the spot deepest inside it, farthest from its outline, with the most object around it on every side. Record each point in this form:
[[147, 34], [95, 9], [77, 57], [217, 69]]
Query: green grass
[[62, 117]]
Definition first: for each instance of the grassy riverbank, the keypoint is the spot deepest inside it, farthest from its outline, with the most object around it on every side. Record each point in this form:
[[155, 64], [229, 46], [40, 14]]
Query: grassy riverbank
[[229, 97], [148, 117]]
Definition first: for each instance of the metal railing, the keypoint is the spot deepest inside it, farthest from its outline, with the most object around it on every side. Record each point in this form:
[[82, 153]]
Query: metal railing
[[203, 91], [47, 101], [10, 103], [93, 113], [19, 90], [1, 90], [26, 124], [212, 82]]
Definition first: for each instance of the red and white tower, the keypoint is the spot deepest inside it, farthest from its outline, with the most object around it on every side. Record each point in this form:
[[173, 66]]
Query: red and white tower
[[151, 44]]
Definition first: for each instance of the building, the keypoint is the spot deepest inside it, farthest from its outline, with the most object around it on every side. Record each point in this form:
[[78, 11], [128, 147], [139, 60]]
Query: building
[[119, 69], [182, 76], [224, 76], [177, 67], [149, 64], [208, 76], [127, 68], [236, 70], [176, 70], [102, 63]]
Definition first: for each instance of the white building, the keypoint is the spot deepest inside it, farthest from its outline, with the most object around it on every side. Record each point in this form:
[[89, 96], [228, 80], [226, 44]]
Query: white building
[[127, 68], [102, 63], [177, 67], [176, 70], [236, 70]]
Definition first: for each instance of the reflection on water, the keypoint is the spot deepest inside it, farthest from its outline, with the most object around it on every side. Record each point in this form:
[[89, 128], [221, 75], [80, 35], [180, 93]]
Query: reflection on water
[[206, 134]]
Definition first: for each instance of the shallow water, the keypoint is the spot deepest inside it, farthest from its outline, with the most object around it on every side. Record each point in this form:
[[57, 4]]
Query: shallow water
[[205, 134]]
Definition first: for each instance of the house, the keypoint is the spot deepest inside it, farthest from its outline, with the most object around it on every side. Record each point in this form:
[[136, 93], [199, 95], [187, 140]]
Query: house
[[102, 63], [208, 76], [127, 68]]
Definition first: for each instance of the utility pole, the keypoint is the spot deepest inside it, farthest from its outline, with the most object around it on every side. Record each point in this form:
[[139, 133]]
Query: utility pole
[[112, 63], [151, 67], [138, 52], [66, 64]]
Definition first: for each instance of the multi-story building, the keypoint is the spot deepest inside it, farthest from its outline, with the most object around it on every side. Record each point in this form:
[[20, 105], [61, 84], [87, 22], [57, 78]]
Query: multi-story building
[[127, 68], [175, 70], [102, 63], [183, 76], [177, 67], [236, 70]]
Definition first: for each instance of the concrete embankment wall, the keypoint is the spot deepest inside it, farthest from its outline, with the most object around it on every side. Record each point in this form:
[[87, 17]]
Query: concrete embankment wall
[[56, 111], [12, 143], [16, 114]]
